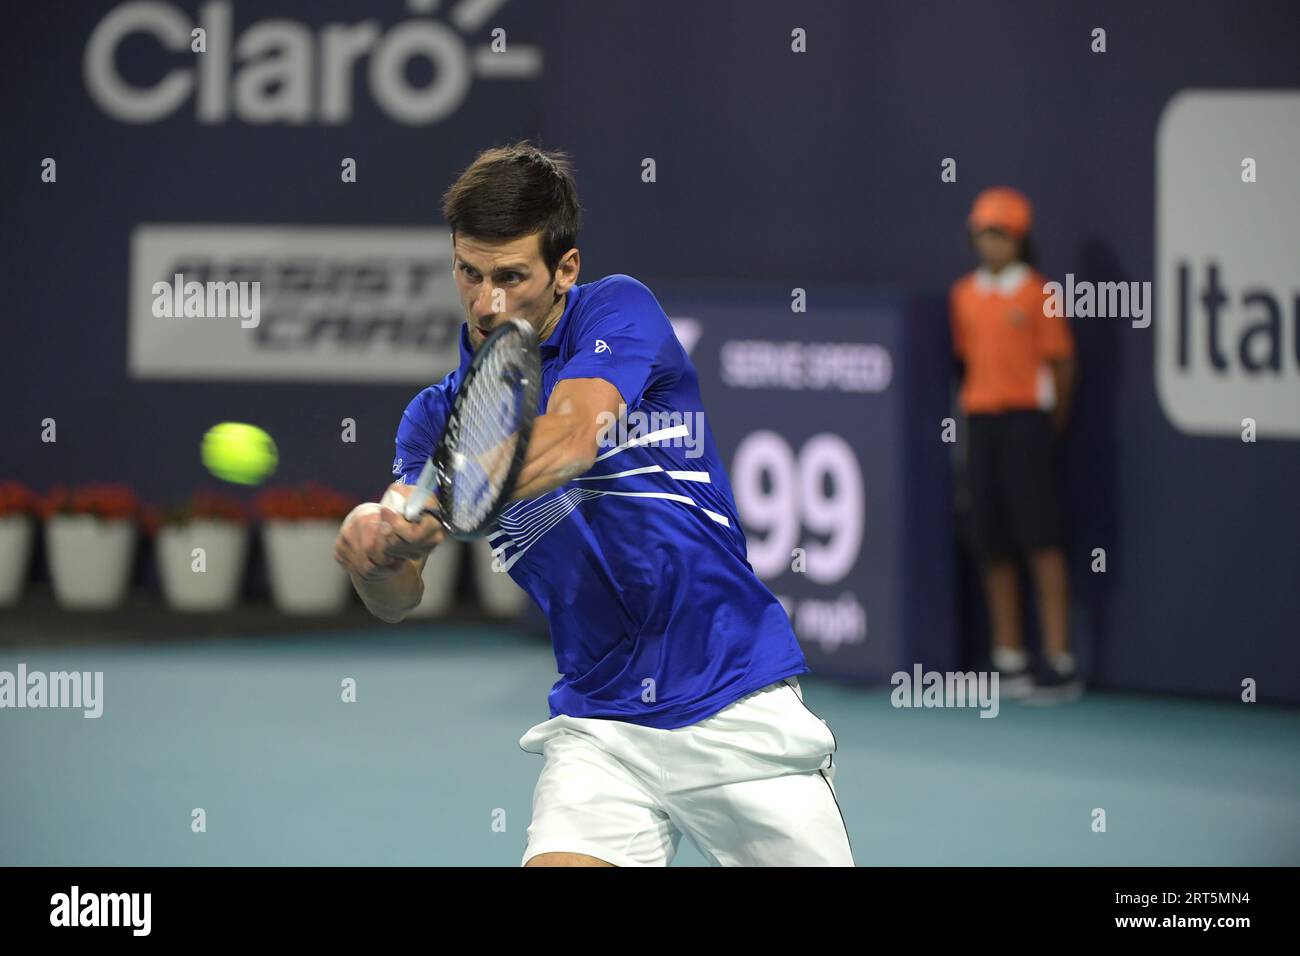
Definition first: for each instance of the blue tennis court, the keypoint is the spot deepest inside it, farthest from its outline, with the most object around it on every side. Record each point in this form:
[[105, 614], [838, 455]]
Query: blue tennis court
[[424, 767]]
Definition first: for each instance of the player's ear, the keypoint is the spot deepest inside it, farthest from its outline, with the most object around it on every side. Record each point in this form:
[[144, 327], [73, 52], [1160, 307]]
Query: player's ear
[[566, 270]]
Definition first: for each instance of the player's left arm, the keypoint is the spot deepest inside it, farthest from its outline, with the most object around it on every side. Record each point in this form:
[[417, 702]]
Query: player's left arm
[[565, 440], [623, 346], [1065, 376], [1056, 345]]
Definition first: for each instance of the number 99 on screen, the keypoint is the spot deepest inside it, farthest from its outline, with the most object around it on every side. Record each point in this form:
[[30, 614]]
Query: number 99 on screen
[[811, 499]]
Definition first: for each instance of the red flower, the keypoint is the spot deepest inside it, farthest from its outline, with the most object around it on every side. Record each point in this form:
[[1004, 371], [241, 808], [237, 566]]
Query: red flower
[[310, 500], [17, 499], [108, 502], [207, 504], [150, 520]]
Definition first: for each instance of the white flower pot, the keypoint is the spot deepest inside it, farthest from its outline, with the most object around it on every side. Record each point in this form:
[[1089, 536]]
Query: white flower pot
[[15, 549], [498, 594], [440, 574], [90, 560], [208, 581], [305, 579]]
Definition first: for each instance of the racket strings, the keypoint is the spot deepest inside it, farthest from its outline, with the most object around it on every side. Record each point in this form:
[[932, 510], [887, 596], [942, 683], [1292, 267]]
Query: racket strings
[[494, 406]]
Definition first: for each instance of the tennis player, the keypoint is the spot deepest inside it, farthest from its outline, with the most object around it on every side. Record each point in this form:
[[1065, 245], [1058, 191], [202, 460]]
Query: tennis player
[[678, 709]]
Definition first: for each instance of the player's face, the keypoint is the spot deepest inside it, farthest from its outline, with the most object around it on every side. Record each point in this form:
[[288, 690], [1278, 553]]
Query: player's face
[[498, 281], [996, 248]]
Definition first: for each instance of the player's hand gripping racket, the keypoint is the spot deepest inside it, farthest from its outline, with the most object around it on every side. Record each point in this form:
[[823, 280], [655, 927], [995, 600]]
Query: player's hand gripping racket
[[476, 464]]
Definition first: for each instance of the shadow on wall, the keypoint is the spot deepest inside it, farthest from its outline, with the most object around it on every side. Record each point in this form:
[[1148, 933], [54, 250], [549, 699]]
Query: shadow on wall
[[1091, 461]]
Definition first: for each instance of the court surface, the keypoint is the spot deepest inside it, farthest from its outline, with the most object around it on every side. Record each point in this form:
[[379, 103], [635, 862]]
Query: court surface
[[424, 768]]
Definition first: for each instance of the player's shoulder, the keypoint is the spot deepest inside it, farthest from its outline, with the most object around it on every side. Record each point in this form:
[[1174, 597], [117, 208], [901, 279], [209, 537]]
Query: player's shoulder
[[619, 285], [614, 299], [430, 406], [438, 391], [619, 294], [1035, 282], [964, 285]]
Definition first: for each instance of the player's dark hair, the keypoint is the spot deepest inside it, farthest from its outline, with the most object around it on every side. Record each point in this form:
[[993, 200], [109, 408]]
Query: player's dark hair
[[513, 191]]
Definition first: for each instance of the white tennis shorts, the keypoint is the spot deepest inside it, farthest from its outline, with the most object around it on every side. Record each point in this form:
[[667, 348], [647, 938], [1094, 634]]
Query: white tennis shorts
[[753, 785]]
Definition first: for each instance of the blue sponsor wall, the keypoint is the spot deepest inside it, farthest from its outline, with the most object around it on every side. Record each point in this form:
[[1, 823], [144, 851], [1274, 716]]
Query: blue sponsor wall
[[772, 168]]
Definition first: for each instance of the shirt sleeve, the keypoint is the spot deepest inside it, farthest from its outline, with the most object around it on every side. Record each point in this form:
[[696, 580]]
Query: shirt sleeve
[[1055, 341], [954, 321], [420, 429], [625, 338]]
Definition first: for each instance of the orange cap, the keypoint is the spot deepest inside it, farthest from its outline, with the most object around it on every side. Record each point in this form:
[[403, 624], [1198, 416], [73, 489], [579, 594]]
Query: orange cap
[[1002, 207]]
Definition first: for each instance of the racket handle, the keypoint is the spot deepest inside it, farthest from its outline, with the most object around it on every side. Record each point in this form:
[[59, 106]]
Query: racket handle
[[415, 504], [437, 514]]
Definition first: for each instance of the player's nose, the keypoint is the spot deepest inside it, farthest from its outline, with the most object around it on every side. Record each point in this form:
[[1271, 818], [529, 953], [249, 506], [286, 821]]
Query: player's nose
[[481, 308]]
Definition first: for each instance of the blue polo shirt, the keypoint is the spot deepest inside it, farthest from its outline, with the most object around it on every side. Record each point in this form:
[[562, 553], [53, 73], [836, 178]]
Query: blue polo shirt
[[640, 564]]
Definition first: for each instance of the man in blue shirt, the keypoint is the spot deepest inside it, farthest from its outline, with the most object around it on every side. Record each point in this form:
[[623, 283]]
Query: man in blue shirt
[[678, 708]]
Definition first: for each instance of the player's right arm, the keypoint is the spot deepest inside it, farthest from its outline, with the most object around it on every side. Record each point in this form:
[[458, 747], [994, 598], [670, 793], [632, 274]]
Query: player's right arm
[[383, 553]]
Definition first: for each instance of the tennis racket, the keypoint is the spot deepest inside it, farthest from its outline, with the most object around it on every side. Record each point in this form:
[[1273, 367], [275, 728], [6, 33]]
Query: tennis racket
[[477, 462]]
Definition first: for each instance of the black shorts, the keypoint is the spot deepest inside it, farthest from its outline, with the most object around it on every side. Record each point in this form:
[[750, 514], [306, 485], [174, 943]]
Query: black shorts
[[1013, 484]]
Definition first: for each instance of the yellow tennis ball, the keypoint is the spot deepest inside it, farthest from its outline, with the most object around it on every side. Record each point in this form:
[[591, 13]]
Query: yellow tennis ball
[[243, 454]]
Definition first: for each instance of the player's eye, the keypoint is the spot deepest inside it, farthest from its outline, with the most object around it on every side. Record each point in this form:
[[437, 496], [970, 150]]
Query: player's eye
[[469, 272]]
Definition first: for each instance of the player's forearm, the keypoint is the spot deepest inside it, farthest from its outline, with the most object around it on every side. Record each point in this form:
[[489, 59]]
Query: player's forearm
[[560, 450], [391, 599]]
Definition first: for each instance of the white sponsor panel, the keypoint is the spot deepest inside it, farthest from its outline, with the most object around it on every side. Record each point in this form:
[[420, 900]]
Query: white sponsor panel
[[1228, 260], [337, 304]]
